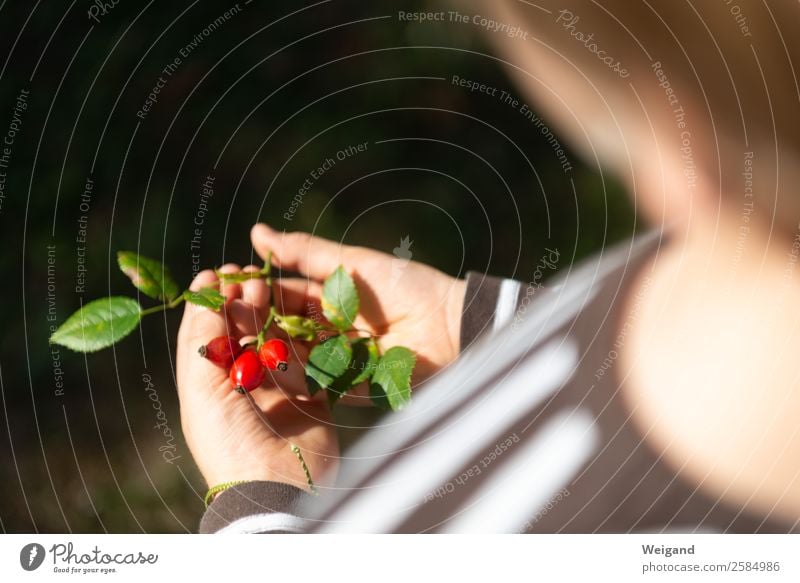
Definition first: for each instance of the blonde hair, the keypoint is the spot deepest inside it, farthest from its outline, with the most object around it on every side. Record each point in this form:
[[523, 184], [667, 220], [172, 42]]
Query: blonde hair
[[730, 63]]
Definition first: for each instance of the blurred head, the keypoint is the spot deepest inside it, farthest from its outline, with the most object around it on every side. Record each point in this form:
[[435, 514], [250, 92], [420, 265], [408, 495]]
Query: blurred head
[[680, 99]]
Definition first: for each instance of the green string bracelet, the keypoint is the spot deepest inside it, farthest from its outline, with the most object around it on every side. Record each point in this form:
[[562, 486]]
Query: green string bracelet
[[296, 451], [225, 485], [220, 488]]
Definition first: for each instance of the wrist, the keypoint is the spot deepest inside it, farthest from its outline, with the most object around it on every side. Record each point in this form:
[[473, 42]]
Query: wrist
[[291, 470], [455, 310], [244, 471], [219, 488], [276, 507], [227, 474]]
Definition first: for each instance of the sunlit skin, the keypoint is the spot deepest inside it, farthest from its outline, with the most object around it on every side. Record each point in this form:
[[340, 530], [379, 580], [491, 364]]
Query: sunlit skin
[[247, 437]]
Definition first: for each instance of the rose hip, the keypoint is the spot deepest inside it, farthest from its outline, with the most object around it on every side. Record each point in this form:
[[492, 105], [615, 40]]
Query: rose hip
[[274, 354], [221, 350], [247, 373]]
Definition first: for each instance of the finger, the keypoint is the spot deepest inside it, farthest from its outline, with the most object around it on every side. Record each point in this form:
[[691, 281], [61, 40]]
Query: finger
[[255, 291], [295, 295], [198, 326], [202, 321], [231, 291], [312, 256], [206, 278], [245, 318]]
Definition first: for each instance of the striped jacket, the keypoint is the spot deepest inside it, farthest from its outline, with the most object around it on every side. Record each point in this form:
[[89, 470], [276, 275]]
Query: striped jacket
[[526, 433]]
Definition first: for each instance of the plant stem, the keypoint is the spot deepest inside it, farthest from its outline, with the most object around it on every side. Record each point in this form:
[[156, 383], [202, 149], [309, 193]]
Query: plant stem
[[272, 311], [357, 330], [243, 276], [263, 333], [360, 331], [267, 272], [168, 306]]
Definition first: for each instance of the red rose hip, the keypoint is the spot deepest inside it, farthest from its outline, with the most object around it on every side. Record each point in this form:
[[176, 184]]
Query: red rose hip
[[221, 350], [274, 354], [247, 373]]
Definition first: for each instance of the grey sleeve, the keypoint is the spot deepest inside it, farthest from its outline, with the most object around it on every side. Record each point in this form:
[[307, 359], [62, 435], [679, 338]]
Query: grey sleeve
[[273, 507], [257, 507], [489, 304]]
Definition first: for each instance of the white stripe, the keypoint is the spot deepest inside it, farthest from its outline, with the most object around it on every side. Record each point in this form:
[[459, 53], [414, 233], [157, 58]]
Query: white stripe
[[491, 355], [406, 482], [530, 479], [266, 522], [495, 353], [506, 303], [463, 380]]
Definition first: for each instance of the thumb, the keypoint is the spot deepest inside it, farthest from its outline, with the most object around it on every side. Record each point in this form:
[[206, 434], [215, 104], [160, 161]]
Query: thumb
[[310, 256]]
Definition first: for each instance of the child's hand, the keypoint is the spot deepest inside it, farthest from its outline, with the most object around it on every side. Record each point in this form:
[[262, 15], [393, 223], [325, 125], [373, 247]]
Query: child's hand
[[248, 437], [404, 302]]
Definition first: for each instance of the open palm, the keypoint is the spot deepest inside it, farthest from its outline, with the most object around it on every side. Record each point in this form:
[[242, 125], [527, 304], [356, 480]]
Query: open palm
[[403, 302], [248, 437]]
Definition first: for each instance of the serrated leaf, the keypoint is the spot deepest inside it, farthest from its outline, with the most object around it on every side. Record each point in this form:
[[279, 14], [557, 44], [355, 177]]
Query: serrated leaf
[[340, 299], [361, 367], [390, 386], [208, 297], [328, 361], [297, 326], [151, 277], [98, 324], [365, 359]]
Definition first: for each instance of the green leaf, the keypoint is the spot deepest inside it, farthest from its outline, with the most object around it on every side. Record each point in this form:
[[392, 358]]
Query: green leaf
[[361, 367], [327, 362], [391, 384], [297, 326], [365, 359], [378, 396], [98, 324], [340, 299], [151, 277], [208, 297]]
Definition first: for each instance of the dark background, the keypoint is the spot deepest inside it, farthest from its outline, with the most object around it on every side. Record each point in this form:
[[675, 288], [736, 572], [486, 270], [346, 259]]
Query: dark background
[[270, 94]]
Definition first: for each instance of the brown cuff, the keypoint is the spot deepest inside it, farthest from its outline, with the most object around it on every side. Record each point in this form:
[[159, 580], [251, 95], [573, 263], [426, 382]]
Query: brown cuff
[[249, 499]]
